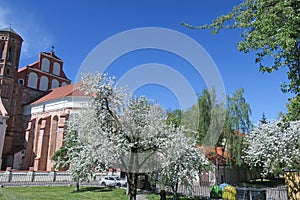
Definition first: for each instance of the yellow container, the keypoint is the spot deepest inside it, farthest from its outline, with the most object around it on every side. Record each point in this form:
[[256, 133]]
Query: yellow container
[[229, 193]]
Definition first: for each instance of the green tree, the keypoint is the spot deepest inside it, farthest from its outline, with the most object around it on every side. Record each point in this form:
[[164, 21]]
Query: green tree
[[293, 108], [174, 117], [200, 116], [205, 102], [271, 28], [263, 119], [237, 123], [206, 118]]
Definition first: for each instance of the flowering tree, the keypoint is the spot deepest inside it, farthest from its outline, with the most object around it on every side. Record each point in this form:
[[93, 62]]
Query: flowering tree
[[181, 161], [117, 130], [75, 154], [274, 146]]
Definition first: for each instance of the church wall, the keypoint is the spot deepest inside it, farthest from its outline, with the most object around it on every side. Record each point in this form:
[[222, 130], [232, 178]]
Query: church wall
[[46, 128], [44, 139]]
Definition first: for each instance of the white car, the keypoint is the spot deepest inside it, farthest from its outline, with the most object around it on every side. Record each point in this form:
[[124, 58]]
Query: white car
[[113, 181]]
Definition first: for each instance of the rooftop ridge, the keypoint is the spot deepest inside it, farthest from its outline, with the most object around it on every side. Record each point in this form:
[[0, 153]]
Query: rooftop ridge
[[9, 29]]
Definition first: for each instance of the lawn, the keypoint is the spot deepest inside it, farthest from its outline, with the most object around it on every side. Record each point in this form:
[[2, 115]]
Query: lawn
[[61, 192], [169, 197]]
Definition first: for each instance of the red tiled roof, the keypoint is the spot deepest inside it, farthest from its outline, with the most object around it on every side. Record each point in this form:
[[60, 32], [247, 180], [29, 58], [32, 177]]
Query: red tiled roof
[[64, 91], [30, 65], [215, 152]]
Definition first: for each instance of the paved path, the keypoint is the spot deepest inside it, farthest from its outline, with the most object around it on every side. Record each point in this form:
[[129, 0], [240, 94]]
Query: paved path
[[141, 197]]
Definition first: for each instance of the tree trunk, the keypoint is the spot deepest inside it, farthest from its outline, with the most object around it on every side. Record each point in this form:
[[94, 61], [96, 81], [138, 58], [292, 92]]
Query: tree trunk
[[163, 195], [174, 190], [132, 183], [77, 186]]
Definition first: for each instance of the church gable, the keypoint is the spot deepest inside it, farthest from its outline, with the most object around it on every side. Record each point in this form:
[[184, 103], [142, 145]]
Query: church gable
[[45, 74]]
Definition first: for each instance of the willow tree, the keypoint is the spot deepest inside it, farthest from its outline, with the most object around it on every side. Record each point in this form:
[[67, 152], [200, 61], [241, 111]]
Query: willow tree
[[237, 123], [271, 28]]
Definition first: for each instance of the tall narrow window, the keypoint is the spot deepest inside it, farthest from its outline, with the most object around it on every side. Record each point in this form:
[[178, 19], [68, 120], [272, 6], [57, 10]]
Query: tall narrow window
[[44, 83], [55, 83], [45, 65], [9, 54], [2, 53], [32, 80], [56, 68]]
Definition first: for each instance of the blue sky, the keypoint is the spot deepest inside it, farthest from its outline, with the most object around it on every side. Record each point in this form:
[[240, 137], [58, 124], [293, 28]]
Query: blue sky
[[75, 28]]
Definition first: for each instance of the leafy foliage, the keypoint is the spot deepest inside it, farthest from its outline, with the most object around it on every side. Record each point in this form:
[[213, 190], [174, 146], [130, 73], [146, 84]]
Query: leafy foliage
[[206, 118], [206, 102], [174, 117], [271, 28], [293, 107]]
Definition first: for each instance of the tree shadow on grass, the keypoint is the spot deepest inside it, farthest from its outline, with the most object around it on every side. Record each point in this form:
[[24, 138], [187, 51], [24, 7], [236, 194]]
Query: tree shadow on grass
[[93, 189]]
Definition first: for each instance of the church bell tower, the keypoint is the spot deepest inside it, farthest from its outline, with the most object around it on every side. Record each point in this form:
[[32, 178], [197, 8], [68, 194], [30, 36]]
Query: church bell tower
[[10, 48]]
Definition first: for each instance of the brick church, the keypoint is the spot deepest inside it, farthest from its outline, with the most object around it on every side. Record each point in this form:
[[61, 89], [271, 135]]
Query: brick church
[[35, 102]]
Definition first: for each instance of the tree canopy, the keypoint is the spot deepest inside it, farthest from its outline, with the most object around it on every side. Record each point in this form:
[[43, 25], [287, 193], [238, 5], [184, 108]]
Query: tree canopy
[[205, 118], [271, 28], [272, 147], [293, 108], [120, 130]]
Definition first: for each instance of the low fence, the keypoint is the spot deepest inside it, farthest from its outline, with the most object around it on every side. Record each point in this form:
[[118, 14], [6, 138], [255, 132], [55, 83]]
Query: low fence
[[203, 191], [41, 178], [13, 178], [197, 190], [277, 193]]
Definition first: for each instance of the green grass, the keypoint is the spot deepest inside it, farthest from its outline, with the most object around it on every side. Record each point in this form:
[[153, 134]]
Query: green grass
[[169, 197], [61, 192]]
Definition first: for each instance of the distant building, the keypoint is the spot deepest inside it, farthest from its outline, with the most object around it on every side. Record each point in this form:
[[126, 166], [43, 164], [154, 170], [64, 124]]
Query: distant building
[[35, 102], [221, 172]]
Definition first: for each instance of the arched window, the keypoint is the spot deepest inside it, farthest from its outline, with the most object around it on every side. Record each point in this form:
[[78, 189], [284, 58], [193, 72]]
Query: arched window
[[55, 83], [56, 68], [63, 84], [32, 80], [45, 65], [44, 83]]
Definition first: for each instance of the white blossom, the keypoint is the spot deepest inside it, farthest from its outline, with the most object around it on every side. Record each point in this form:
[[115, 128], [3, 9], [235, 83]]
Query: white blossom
[[274, 146], [118, 129]]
